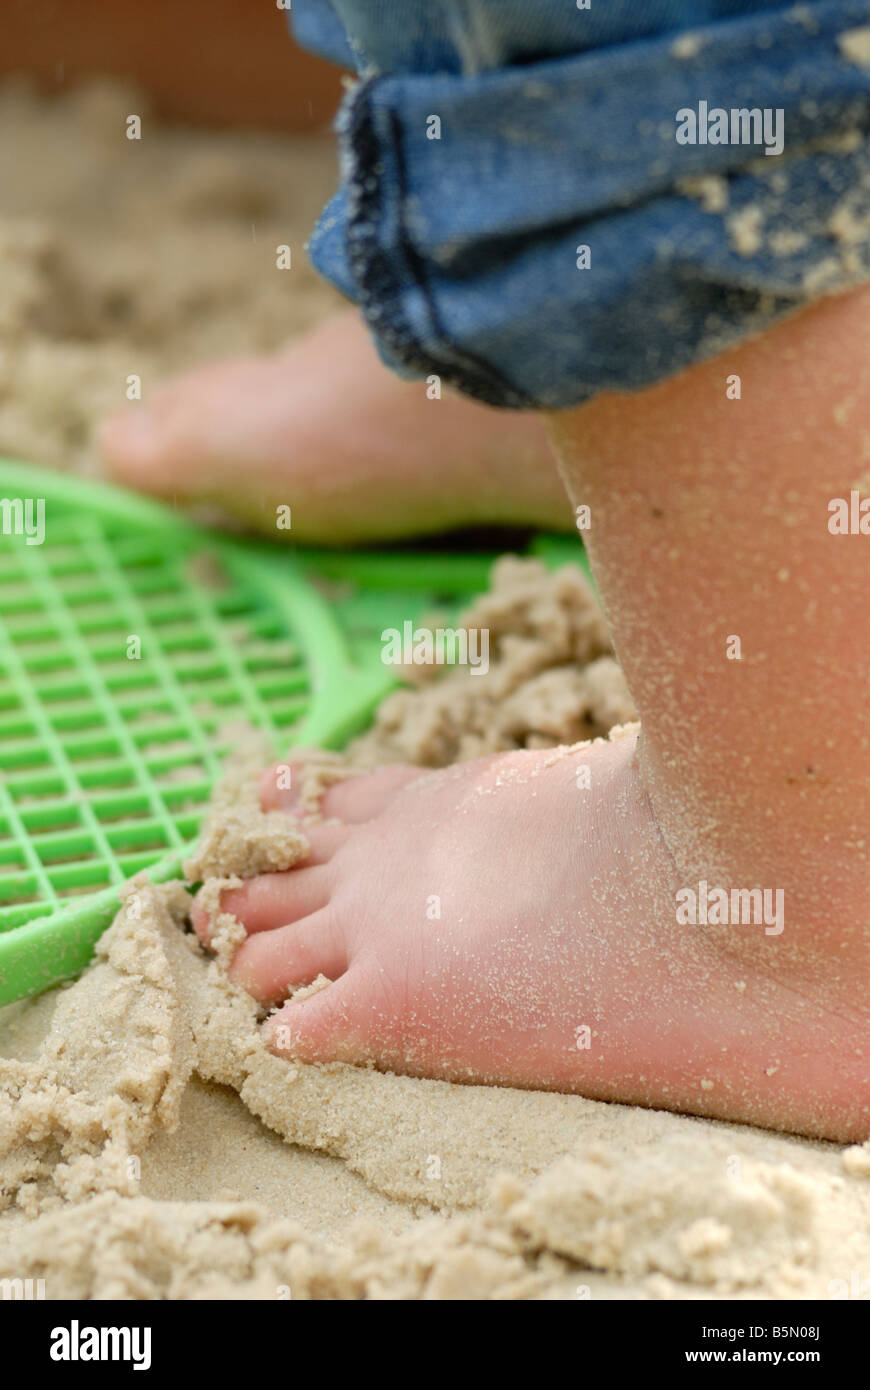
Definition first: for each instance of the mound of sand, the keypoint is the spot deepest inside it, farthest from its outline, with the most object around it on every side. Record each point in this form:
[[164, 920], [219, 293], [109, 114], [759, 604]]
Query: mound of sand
[[151, 1147]]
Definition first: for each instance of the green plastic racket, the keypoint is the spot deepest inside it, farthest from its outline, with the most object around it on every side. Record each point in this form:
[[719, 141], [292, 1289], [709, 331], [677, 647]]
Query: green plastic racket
[[129, 638]]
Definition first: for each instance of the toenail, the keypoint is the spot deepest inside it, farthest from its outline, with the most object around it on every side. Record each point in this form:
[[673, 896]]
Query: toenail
[[279, 787]]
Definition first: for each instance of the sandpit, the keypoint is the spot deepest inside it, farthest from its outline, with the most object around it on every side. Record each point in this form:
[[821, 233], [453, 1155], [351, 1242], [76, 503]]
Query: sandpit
[[150, 1146]]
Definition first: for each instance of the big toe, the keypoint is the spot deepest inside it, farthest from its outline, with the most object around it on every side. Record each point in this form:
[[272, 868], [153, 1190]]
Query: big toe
[[197, 436], [271, 964], [330, 1025]]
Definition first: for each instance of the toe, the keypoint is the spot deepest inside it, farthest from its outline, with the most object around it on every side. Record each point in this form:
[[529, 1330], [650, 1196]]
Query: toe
[[197, 432], [273, 963], [324, 839], [362, 798], [356, 799], [280, 786], [272, 900], [327, 1026], [141, 444]]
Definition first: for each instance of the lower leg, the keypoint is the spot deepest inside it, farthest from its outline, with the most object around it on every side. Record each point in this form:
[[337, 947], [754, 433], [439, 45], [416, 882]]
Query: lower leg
[[709, 524]]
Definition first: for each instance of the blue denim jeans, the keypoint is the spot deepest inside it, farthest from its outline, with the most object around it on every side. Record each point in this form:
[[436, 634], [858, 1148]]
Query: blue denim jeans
[[541, 201]]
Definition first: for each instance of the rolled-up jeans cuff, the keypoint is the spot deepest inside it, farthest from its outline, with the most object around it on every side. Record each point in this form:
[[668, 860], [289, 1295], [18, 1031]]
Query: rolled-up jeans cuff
[[554, 239]]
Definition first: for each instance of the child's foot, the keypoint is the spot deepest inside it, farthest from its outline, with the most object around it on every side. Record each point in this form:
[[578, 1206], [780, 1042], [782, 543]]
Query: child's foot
[[513, 920], [327, 430]]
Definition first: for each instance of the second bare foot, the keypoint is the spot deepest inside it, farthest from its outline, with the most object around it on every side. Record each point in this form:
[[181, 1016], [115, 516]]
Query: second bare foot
[[326, 429]]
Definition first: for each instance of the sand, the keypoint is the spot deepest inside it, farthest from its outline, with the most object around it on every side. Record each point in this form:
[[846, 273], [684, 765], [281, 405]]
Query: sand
[[150, 1147], [122, 257]]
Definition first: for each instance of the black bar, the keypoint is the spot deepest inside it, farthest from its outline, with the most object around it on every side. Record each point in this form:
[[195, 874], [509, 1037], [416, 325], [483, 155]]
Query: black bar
[[629, 1336]]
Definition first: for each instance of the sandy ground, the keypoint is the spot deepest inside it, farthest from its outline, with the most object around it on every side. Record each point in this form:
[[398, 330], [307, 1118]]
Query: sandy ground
[[149, 1145], [121, 257]]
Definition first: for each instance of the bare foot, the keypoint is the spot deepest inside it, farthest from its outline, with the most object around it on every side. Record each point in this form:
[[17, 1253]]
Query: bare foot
[[326, 429], [499, 922]]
